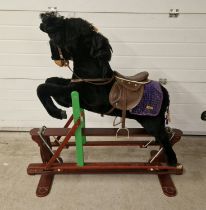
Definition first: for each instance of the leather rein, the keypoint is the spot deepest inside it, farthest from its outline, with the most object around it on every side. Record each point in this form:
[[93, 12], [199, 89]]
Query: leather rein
[[97, 81]]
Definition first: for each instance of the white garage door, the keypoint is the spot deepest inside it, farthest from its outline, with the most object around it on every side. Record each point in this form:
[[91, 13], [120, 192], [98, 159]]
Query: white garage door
[[143, 37]]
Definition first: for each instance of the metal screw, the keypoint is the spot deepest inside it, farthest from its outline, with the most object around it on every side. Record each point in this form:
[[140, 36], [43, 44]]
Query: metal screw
[[174, 13]]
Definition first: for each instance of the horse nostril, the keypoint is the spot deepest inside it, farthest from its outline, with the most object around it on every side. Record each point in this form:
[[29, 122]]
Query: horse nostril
[[42, 27]]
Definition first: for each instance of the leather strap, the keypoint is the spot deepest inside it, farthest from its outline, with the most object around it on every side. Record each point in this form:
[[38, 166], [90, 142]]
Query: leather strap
[[124, 93], [132, 81], [60, 53], [98, 81]]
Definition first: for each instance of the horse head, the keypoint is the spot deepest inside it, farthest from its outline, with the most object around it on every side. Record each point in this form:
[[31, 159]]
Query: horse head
[[78, 40]]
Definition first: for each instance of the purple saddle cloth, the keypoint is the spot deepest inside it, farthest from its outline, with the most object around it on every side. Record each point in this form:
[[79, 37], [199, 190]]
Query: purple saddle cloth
[[151, 101]]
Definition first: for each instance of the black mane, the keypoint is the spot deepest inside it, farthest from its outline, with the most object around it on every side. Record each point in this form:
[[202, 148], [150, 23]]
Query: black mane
[[76, 35]]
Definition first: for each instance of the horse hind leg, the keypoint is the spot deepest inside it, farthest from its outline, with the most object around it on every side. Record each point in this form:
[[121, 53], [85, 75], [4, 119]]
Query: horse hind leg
[[156, 127], [163, 138]]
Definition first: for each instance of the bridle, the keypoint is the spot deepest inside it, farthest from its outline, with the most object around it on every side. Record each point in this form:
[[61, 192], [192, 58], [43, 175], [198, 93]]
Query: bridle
[[97, 81]]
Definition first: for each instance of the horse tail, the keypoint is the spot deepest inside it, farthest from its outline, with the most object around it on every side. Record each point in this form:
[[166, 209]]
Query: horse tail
[[165, 104]]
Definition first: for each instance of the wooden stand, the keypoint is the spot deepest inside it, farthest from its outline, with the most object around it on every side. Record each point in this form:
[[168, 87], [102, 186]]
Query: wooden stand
[[53, 164]]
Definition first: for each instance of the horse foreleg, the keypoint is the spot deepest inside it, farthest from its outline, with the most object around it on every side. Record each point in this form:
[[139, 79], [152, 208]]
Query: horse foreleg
[[45, 93], [60, 98]]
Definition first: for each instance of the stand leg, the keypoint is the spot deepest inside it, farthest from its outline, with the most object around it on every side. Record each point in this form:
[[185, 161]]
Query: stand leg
[[165, 180], [167, 185], [46, 180], [45, 184]]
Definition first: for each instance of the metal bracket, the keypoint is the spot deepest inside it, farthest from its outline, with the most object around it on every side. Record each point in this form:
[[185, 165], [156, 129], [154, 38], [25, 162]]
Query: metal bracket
[[163, 81], [41, 135], [146, 145], [174, 13], [119, 129], [52, 9]]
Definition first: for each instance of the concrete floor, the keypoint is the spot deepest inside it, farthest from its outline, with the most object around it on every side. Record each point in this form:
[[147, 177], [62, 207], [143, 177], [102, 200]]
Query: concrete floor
[[102, 192]]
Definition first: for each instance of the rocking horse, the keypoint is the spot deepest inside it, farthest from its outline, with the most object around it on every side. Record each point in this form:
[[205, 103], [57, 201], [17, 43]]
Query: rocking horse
[[95, 87]]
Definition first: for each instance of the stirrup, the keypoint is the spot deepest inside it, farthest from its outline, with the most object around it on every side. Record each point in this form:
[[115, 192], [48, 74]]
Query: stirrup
[[122, 129]]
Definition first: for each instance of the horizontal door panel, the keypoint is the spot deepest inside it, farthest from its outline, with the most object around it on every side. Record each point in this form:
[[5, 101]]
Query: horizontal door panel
[[24, 18], [133, 62], [118, 62], [41, 73], [146, 6], [31, 95], [122, 49], [150, 35], [129, 20]]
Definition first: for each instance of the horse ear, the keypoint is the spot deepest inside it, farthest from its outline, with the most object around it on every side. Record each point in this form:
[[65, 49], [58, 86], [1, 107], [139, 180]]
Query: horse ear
[[100, 47]]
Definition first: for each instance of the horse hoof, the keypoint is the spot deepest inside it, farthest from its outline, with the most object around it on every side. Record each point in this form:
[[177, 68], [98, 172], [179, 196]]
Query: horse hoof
[[172, 163], [63, 114]]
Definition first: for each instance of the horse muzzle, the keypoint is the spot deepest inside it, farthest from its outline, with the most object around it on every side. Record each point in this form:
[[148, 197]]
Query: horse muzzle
[[61, 63]]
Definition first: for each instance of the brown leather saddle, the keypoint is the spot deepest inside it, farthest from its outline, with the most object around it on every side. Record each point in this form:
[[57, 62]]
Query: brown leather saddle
[[127, 91]]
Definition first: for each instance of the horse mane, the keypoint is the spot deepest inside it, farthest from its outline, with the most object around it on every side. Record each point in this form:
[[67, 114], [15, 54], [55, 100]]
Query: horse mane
[[74, 33]]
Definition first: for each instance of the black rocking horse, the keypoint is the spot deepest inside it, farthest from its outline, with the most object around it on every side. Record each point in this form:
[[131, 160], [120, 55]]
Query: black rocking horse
[[101, 89]]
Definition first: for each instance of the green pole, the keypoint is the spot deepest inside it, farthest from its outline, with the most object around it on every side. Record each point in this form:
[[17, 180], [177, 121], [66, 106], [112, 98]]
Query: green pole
[[79, 139]]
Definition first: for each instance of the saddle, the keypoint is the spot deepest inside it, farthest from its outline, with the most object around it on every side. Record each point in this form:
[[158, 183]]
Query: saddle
[[127, 91]]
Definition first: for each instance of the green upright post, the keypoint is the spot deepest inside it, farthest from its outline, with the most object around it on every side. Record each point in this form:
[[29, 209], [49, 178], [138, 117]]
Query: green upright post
[[79, 139]]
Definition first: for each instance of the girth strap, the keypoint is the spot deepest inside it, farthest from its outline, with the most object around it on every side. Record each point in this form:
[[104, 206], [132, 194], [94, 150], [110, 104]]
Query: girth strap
[[98, 81], [124, 93]]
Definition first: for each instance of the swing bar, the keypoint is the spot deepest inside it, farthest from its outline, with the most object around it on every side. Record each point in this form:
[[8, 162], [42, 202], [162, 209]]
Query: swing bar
[[105, 167], [134, 132]]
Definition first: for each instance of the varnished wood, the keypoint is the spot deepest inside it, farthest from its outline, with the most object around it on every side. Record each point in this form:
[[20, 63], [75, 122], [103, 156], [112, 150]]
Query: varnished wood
[[158, 166], [44, 185], [91, 132], [102, 167]]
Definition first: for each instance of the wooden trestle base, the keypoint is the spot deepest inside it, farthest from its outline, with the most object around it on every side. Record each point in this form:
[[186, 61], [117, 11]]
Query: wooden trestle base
[[53, 164]]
